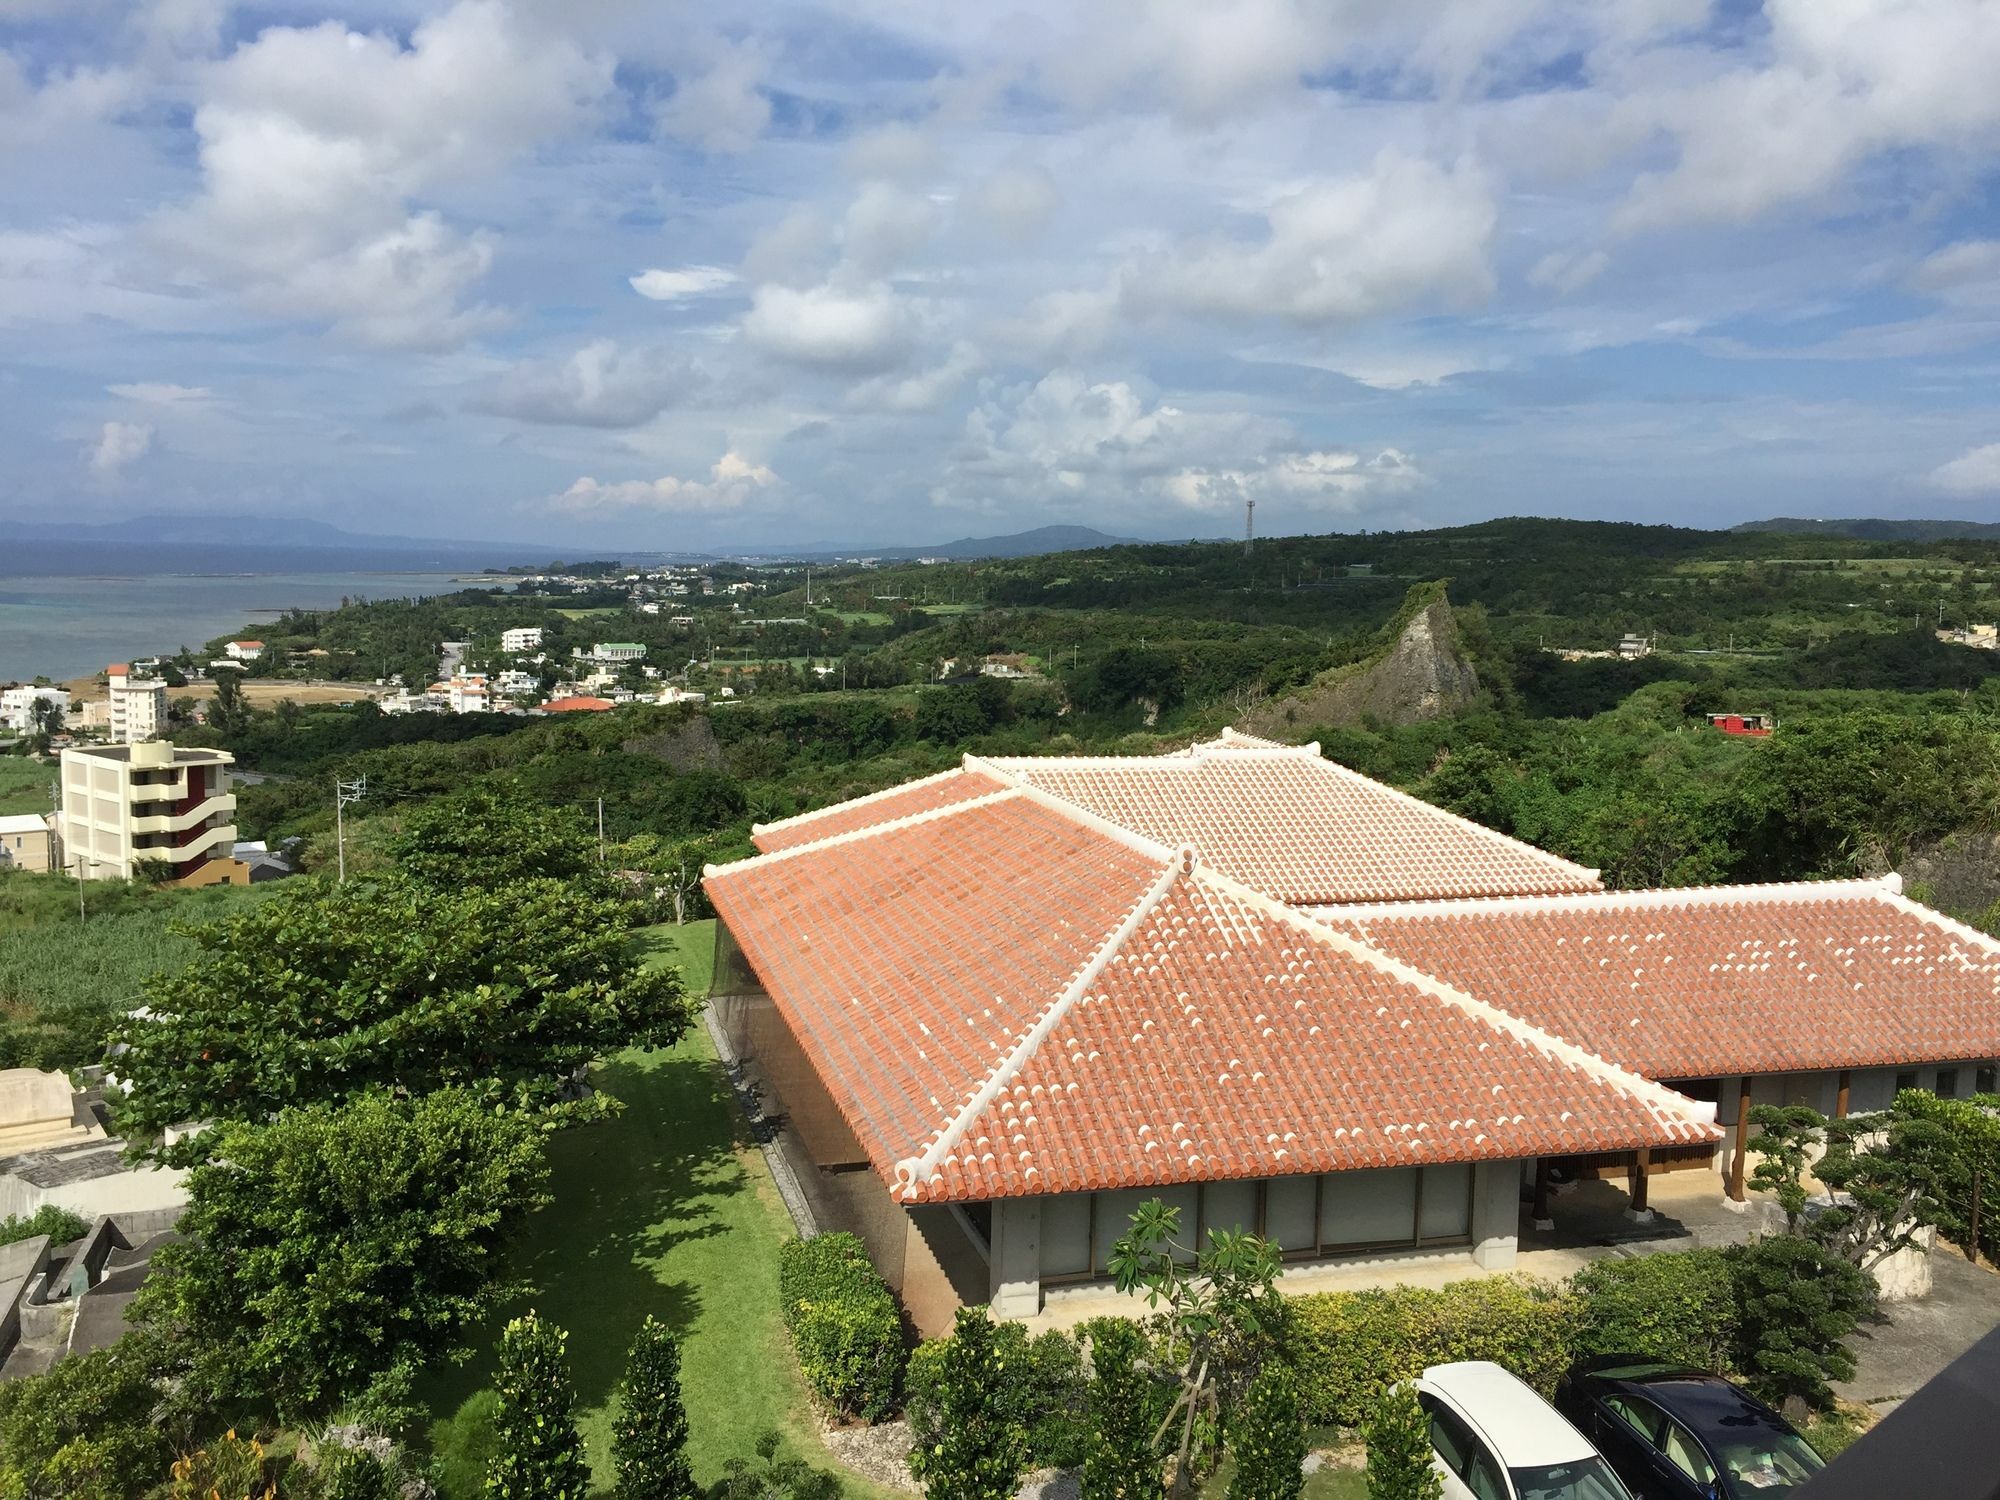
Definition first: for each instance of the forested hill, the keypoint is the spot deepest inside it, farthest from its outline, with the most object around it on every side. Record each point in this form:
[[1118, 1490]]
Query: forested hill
[[1876, 529]]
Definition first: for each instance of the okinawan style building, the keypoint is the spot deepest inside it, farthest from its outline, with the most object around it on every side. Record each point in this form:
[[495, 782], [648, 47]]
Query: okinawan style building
[[998, 1008]]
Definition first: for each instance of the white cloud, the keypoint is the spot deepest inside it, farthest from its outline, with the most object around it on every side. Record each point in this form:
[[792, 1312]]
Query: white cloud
[[603, 384], [792, 251], [313, 142], [895, 152], [660, 285], [1967, 272], [1017, 201], [884, 226], [117, 447], [1341, 250], [1976, 472], [152, 394], [1063, 325], [865, 329], [1568, 271], [733, 481], [922, 391], [723, 108], [1325, 479]]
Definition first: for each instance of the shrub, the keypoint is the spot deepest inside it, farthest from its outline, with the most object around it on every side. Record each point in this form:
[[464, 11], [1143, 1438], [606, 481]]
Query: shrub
[[844, 1324], [1399, 1449], [976, 1451], [1269, 1443], [51, 1219], [88, 1421], [1119, 1462], [649, 1443], [230, 1468], [774, 1479], [1679, 1306], [538, 1455], [1796, 1301], [1348, 1346], [1044, 1396]]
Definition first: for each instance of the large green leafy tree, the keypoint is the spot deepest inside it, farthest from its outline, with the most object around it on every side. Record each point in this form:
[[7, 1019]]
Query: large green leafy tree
[[490, 834], [538, 1454], [319, 994], [979, 1451], [649, 1442], [336, 1243]]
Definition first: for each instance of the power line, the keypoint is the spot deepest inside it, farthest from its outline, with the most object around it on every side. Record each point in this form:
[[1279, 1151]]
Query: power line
[[345, 792]]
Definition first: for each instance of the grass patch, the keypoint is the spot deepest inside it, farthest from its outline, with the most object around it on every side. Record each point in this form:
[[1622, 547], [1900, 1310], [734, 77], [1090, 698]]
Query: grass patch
[[24, 784], [691, 946], [858, 616], [601, 613], [665, 1210]]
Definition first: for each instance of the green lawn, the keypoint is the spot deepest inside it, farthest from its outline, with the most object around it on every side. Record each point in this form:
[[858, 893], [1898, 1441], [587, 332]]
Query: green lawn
[[692, 947], [24, 784], [665, 1210]]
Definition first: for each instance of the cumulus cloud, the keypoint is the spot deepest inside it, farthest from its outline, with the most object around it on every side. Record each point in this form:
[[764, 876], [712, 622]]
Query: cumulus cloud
[[1322, 480], [660, 285], [1341, 249], [1841, 83], [313, 142], [603, 384], [1568, 271], [722, 106], [864, 329], [922, 391], [1976, 472], [1967, 272], [732, 482], [1016, 201], [884, 226], [116, 448], [161, 394]]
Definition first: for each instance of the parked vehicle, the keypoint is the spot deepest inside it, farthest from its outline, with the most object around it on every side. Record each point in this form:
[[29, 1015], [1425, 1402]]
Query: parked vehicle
[[1495, 1439], [1675, 1433]]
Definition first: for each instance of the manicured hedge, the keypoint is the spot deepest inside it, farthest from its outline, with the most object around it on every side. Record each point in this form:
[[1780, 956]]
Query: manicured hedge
[[1044, 1393], [844, 1324], [1347, 1346], [1679, 1306], [53, 1220]]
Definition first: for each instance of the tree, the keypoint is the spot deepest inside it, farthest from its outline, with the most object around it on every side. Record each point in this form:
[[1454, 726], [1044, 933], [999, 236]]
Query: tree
[[1119, 1462], [336, 1243], [979, 1452], [228, 713], [319, 994], [649, 1440], [1797, 1301], [1398, 1436], [490, 835], [1269, 1439], [1223, 1317], [1883, 1176], [538, 1454], [1785, 1137], [83, 1429], [774, 1479]]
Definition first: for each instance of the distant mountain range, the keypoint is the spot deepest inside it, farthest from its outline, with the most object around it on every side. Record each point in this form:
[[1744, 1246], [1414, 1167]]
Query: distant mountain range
[[236, 531], [1869, 529], [1035, 543]]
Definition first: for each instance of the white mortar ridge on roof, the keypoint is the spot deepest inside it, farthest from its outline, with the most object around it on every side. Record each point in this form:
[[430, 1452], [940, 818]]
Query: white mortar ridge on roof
[[1887, 888], [1656, 1096], [1893, 896], [1131, 838], [908, 820], [922, 1168], [867, 797]]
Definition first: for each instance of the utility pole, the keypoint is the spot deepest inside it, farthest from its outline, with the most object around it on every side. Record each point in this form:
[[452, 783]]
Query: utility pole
[[344, 792], [600, 830]]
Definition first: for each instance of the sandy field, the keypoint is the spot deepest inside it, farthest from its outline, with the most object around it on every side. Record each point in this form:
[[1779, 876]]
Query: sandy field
[[257, 693]]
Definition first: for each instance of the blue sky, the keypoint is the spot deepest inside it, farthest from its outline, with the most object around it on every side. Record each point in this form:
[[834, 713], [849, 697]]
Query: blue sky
[[624, 273]]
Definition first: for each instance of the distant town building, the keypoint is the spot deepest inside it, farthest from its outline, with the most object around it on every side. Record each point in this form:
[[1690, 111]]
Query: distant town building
[[26, 842], [1632, 647], [1757, 725], [1979, 637], [126, 804], [138, 705], [243, 650], [514, 683], [578, 706], [521, 638], [467, 695], [1008, 666], [17, 706], [672, 694], [616, 651]]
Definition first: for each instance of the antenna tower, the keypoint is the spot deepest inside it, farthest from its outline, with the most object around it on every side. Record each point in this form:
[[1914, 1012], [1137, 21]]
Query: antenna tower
[[1249, 524]]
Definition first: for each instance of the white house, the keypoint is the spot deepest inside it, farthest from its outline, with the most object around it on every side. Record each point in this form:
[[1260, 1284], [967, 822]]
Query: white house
[[468, 695], [615, 651], [138, 705], [26, 842], [243, 650], [521, 638], [17, 706]]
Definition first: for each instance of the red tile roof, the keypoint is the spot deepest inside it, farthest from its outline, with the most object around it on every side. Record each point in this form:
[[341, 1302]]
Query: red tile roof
[[1004, 996], [1718, 981], [1281, 819], [573, 705]]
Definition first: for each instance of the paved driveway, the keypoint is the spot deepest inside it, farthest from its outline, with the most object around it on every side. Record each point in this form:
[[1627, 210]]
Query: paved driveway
[[1915, 1340]]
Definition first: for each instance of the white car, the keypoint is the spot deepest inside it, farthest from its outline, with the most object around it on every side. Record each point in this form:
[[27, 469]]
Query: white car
[[1495, 1439]]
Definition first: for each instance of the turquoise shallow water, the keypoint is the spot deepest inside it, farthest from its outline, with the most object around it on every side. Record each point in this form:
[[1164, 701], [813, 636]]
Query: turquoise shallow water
[[70, 627]]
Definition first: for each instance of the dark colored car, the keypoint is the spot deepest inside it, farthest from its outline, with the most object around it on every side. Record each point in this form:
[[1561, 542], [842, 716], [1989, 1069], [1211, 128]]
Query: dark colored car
[[1673, 1433]]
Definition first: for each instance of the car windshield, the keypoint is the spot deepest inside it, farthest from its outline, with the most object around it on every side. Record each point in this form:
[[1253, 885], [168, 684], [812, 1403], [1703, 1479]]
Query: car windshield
[[1580, 1479], [1767, 1463]]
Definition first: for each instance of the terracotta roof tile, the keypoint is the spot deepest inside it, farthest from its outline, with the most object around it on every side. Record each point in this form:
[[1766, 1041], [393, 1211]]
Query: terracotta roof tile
[[1718, 981], [942, 790], [1006, 998]]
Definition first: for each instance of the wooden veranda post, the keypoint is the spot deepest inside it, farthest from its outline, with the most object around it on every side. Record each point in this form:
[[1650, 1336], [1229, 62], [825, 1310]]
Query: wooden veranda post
[[1742, 1140], [1840, 1098]]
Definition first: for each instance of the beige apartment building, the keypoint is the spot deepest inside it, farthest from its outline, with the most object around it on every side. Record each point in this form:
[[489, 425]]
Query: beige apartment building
[[126, 804], [138, 705]]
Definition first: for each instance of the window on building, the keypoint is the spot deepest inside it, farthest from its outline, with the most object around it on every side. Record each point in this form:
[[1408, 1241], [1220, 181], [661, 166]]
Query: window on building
[[1947, 1084], [1984, 1079], [1906, 1079]]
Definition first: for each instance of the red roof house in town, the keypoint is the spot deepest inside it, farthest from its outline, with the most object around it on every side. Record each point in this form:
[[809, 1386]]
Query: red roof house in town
[[1000, 1007]]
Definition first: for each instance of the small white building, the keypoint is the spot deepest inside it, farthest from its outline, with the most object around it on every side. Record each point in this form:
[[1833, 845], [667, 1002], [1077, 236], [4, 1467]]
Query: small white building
[[138, 705], [243, 650], [615, 651], [468, 695], [521, 638], [17, 706], [514, 683], [26, 842]]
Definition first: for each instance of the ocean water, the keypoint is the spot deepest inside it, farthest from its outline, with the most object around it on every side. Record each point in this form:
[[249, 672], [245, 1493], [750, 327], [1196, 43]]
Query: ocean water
[[72, 625]]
